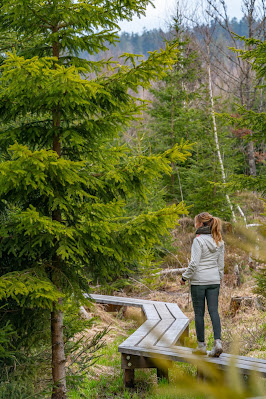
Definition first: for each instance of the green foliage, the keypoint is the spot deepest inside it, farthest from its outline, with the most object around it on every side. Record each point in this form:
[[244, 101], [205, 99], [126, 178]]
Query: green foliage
[[82, 348], [28, 290], [6, 334], [180, 110], [261, 275], [64, 185], [261, 282], [255, 51], [243, 182], [184, 383], [151, 40], [253, 122], [81, 24], [91, 225], [22, 367]]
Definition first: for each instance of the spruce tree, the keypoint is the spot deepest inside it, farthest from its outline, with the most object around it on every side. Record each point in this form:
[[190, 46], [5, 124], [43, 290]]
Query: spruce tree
[[180, 110], [63, 186]]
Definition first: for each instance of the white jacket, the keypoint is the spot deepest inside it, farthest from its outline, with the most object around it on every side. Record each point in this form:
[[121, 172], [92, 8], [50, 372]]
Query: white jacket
[[207, 261]]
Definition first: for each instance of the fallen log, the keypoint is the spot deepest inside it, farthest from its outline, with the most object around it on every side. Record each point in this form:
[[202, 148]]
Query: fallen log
[[178, 271]]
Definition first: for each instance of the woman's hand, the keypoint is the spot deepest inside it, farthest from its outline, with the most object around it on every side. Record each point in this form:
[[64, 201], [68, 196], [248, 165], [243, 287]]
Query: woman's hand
[[182, 282]]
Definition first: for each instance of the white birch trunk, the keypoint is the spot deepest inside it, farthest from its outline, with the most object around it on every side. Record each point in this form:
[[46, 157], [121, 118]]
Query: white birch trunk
[[216, 133]]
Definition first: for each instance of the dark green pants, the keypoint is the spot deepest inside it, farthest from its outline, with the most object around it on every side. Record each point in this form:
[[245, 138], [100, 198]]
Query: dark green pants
[[211, 293]]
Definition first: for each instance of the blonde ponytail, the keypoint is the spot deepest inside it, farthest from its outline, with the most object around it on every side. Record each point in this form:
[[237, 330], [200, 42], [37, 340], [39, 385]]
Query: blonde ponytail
[[214, 223], [216, 228]]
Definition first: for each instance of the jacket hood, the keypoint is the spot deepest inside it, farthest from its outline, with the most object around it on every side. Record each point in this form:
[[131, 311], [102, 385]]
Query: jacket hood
[[210, 242]]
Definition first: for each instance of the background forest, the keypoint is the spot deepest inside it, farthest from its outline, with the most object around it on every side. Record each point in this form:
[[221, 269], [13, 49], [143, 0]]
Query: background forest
[[109, 146]]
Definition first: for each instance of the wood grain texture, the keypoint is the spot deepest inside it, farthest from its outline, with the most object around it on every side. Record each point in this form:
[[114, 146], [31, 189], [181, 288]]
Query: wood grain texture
[[163, 311], [156, 333], [150, 311], [140, 333], [172, 335], [176, 311]]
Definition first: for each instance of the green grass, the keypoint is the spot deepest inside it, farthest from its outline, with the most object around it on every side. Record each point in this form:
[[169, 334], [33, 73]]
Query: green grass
[[108, 382], [106, 379]]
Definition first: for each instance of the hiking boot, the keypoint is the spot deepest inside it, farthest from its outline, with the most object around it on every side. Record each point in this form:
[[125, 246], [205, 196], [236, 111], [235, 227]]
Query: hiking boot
[[217, 349], [201, 349]]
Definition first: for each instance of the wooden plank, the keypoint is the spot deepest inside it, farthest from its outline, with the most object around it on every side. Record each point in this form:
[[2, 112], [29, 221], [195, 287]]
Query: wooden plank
[[223, 359], [150, 311], [155, 334], [115, 300], [187, 357], [182, 352], [140, 333], [245, 369], [172, 335], [162, 308], [137, 362], [128, 378], [163, 311], [176, 311], [148, 308], [120, 298], [245, 358], [241, 362], [153, 337]]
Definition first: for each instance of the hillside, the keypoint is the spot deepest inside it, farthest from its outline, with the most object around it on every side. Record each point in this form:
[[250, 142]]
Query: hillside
[[151, 40]]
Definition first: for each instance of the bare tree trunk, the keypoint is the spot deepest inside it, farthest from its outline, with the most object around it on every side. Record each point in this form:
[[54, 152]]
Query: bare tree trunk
[[58, 355], [215, 130], [180, 185]]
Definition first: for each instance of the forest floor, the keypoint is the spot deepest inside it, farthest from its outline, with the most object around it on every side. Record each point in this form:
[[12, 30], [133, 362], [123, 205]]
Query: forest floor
[[243, 328]]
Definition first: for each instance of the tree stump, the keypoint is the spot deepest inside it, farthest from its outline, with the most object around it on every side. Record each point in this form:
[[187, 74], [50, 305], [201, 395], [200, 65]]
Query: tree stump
[[237, 301]]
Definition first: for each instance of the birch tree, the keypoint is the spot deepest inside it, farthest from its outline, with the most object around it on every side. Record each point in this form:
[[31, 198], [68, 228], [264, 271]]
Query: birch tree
[[205, 29], [63, 185], [235, 72], [214, 123]]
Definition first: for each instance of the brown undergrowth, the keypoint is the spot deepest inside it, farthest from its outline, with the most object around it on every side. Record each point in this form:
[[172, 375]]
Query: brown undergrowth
[[243, 329], [245, 325]]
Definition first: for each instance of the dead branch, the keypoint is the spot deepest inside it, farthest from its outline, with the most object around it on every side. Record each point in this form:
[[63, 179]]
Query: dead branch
[[171, 271]]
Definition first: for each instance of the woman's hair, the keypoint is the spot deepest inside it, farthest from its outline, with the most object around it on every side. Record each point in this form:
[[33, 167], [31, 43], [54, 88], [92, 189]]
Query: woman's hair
[[214, 223]]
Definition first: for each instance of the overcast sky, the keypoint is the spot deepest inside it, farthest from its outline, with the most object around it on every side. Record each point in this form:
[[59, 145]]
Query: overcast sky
[[160, 16]]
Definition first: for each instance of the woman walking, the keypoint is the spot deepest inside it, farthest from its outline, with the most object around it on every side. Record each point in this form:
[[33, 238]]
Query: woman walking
[[205, 272]]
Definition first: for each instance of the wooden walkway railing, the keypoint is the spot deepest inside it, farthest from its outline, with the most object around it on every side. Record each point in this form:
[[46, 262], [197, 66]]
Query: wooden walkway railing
[[156, 343]]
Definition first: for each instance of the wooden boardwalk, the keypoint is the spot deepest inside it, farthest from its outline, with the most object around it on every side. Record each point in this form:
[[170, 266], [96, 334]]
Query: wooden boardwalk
[[157, 342]]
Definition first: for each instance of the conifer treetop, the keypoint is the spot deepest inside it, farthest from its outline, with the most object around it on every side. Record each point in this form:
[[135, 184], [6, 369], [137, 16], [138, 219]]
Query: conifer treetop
[[78, 25]]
